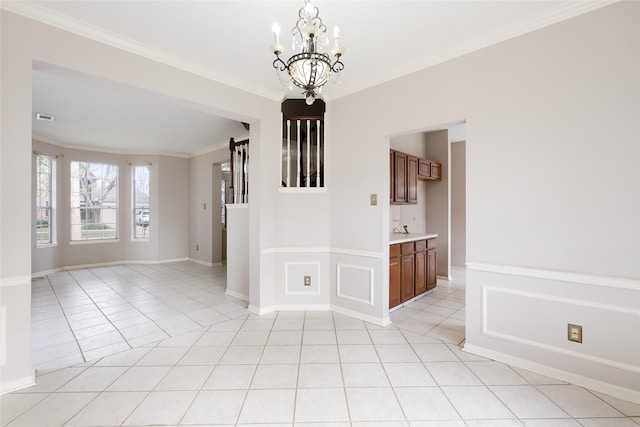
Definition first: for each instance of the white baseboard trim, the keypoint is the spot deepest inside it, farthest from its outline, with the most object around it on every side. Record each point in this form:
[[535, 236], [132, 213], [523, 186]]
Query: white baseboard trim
[[106, 264], [563, 276], [18, 384], [238, 295], [580, 380], [371, 319], [198, 261], [319, 307]]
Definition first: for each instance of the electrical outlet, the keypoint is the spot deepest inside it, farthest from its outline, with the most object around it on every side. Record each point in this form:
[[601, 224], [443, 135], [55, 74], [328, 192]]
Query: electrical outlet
[[574, 333], [374, 199], [197, 247], [307, 280]]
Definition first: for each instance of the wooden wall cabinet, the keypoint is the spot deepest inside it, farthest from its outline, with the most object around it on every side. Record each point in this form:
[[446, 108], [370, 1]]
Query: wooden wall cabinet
[[412, 270], [429, 170], [404, 178]]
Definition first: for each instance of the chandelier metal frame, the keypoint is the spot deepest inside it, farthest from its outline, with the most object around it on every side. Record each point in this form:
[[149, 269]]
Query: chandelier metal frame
[[310, 69]]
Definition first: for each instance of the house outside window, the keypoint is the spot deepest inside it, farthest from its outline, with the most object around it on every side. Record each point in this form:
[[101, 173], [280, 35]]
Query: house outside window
[[45, 177], [94, 201], [141, 201]]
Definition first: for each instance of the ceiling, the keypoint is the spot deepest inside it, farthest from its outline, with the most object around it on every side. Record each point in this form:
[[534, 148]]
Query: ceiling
[[229, 41]]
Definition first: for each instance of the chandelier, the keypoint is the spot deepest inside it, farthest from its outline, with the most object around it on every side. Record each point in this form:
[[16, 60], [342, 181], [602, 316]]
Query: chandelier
[[310, 69]]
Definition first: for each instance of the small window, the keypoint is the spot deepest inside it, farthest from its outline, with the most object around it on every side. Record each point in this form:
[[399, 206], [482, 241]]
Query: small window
[[94, 201], [141, 202], [45, 175]]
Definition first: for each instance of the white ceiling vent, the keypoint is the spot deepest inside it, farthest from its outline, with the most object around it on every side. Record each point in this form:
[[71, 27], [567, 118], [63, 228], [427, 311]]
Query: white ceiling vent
[[45, 117]]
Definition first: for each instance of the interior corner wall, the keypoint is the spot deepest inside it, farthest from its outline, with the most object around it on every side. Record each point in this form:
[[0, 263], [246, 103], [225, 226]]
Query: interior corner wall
[[438, 194], [551, 129], [458, 205]]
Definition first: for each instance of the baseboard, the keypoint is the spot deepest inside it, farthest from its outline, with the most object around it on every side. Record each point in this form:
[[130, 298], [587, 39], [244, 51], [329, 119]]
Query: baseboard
[[107, 264], [364, 317], [238, 295], [580, 380], [198, 261], [18, 384], [319, 307]]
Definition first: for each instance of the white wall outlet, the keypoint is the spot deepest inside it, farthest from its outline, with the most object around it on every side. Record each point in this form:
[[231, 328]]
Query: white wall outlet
[[307, 280], [574, 333]]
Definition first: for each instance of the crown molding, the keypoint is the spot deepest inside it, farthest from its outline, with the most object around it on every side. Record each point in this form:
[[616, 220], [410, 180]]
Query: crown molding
[[46, 16], [96, 149], [72, 25]]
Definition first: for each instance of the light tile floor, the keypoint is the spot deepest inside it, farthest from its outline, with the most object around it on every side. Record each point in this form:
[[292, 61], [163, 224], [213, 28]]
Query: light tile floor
[[224, 366]]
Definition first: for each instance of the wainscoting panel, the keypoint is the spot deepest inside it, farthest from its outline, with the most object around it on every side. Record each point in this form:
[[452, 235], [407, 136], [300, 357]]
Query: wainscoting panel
[[520, 317], [355, 283], [294, 278]]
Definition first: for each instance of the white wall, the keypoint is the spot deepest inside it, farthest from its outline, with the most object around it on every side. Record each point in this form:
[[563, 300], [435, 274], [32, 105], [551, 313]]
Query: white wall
[[438, 196], [458, 205], [553, 174]]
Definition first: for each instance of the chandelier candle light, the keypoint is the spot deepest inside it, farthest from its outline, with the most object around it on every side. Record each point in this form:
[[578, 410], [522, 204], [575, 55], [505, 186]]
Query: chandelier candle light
[[311, 68]]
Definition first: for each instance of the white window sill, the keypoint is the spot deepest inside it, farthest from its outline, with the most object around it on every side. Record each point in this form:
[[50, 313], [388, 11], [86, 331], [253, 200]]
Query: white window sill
[[90, 242], [140, 240], [46, 245]]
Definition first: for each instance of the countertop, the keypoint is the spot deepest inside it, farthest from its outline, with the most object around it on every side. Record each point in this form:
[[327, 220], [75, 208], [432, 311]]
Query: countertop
[[395, 238]]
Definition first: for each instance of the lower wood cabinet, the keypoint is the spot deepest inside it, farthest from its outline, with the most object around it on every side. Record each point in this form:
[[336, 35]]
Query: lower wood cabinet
[[412, 270], [394, 276]]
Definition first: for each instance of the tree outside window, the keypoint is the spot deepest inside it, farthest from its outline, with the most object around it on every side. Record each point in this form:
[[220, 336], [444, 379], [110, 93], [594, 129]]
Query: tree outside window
[[94, 201]]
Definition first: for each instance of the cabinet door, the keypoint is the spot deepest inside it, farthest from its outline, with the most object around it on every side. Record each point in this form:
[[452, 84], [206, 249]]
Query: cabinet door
[[394, 282], [392, 176], [412, 180], [431, 269], [436, 171], [400, 175], [424, 168], [421, 273], [407, 277]]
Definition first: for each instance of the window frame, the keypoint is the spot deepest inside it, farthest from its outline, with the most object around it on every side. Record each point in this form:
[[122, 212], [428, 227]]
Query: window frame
[[102, 209], [51, 208], [134, 205]]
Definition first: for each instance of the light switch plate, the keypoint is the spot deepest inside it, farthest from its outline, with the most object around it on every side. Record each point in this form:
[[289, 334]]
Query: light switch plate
[[374, 199]]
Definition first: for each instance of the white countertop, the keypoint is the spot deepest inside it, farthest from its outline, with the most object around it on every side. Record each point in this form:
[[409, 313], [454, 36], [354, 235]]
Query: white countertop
[[395, 238]]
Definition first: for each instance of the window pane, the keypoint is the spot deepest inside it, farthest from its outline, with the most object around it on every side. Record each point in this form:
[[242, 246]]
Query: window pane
[[44, 200], [141, 201], [94, 201]]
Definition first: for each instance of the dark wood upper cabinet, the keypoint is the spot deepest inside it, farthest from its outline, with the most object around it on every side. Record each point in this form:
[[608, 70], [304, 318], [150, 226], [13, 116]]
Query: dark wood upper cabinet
[[412, 180], [436, 171], [400, 177], [424, 168], [405, 171], [404, 178], [429, 170]]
